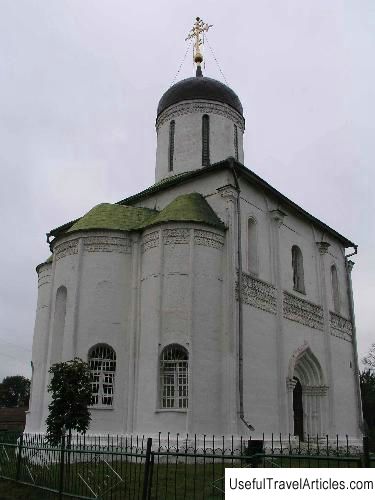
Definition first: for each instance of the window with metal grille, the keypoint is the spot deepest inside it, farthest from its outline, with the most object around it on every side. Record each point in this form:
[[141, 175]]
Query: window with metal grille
[[174, 377], [235, 131], [298, 274], [102, 363], [172, 126], [205, 140]]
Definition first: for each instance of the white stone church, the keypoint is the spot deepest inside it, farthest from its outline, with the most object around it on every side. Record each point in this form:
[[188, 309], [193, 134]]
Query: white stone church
[[208, 303]]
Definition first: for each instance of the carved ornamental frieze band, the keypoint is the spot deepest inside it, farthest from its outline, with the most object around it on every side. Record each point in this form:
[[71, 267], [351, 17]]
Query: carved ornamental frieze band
[[258, 293], [200, 107], [176, 236], [181, 236], [107, 244], [66, 248], [150, 240], [341, 327], [302, 311], [98, 243], [208, 239], [44, 275]]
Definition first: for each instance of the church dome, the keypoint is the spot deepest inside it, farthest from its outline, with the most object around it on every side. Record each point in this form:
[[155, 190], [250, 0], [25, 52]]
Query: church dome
[[199, 87]]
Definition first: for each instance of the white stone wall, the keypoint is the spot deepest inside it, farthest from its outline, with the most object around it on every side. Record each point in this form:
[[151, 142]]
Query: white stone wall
[[310, 324], [180, 302], [265, 360], [175, 283], [40, 347], [188, 136], [96, 269]]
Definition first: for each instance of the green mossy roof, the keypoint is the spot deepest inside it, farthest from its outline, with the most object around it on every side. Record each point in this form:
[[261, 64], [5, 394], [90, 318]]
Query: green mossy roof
[[188, 208], [185, 208], [115, 217], [241, 171]]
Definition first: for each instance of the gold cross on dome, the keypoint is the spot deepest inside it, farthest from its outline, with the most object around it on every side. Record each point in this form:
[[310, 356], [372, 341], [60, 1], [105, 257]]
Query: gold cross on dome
[[196, 32]]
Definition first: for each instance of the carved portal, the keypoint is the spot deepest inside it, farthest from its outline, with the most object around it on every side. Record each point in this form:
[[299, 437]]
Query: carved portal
[[310, 416]]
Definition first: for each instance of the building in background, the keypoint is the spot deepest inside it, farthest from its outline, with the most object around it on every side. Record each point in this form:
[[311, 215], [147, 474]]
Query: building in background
[[12, 419], [208, 303]]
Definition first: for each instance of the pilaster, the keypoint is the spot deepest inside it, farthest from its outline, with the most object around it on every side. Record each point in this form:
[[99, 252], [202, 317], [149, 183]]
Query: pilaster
[[128, 423], [70, 340], [190, 410], [48, 348], [323, 247], [277, 217], [40, 347], [230, 400]]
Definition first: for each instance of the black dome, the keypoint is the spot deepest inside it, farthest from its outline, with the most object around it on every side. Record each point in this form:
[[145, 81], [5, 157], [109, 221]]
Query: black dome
[[199, 87]]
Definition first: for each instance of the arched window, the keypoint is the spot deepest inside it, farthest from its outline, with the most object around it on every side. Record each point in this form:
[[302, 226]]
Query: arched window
[[252, 247], [298, 275], [172, 126], [235, 131], [335, 289], [59, 324], [174, 361], [102, 363], [205, 140]]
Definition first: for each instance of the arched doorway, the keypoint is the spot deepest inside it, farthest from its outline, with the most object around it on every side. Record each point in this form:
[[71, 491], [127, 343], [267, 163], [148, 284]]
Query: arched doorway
[[297, 409], [307, 394]]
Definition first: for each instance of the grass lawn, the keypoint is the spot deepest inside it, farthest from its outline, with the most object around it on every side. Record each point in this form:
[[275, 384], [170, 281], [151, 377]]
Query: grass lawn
[[10, 490], [122, 479]]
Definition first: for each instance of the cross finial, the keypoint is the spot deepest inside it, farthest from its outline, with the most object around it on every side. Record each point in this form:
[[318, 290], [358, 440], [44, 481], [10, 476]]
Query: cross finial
[[196, 33]]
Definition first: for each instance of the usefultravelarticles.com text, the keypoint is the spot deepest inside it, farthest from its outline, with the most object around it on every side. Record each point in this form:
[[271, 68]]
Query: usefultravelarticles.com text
[[286, 483]]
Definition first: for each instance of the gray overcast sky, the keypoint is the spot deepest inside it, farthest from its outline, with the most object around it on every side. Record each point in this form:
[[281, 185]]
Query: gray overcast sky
[[79, 85]]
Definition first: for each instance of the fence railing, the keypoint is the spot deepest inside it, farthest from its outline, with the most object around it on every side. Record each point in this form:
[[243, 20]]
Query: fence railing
[[168, 467]]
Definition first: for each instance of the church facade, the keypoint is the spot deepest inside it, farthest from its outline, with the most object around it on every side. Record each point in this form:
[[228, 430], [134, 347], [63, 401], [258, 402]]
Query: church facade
[[209, 303]]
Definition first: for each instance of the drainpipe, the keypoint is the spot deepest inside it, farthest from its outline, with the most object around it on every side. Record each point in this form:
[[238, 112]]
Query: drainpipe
[[240, 308], [349, 266]]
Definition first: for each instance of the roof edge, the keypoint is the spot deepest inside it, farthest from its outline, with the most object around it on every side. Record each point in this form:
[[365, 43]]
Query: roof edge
[[254, 177], [171, 181], [231, 163]]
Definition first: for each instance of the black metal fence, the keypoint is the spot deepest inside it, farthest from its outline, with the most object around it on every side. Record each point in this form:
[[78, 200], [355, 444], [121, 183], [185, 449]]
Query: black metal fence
[[166, 467]]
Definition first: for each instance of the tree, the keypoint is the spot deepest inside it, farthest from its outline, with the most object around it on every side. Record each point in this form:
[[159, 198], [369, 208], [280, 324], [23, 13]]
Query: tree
[[367, 381], [15, 391], [70, 387], [369, 359]]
